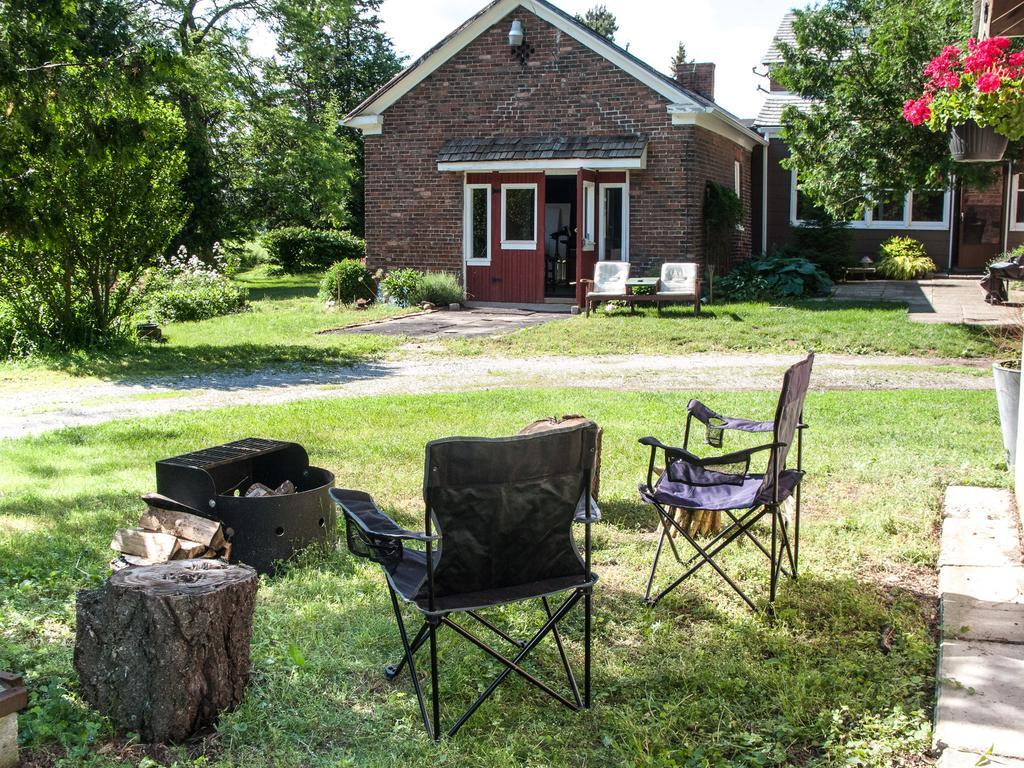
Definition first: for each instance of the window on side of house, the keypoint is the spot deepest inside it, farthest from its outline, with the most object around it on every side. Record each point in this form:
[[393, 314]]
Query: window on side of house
[[803, 208], [477, 237], [1017, 203], [589, 208], [891, 208], [519, 217], [737, 173], [928, 206]]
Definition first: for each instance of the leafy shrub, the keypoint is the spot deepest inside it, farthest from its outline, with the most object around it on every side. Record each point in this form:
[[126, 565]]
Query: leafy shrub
[[827, 243], [191, 296], [440, 288], [347, 281], [300, 249], [785, 274], [904, 258], [8, 331], [403, 286]]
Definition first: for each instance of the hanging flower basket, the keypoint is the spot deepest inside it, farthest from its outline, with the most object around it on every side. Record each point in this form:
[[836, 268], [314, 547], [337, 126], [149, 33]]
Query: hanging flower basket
[[972, 143], [975, 93]]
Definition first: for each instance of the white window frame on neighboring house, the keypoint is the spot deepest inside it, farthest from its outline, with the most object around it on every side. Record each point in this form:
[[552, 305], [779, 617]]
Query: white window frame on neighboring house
[[518, 245], [624, 186], [1015, 190], [589, 215], [869, 222], [467, 226]]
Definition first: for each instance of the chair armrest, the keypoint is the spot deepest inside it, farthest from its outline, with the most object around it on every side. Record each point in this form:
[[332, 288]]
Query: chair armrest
[[670, 451], [704, 415], [361, 509]]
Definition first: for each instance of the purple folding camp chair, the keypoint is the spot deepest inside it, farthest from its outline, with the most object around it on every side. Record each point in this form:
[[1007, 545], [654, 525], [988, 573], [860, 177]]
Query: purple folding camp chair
[[725, 483]]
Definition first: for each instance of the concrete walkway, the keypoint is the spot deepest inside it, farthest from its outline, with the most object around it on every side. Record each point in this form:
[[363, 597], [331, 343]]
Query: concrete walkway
[[461, 324], [28, 412], [940, 300], [980, 709]]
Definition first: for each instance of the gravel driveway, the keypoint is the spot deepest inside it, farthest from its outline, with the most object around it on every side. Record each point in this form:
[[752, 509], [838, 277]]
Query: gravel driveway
[[41, 410]]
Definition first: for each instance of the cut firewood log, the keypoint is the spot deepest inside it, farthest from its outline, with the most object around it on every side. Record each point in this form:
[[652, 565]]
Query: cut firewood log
[[188, 550], [258, 490], [158, 547], [285, 489], [183, 525]]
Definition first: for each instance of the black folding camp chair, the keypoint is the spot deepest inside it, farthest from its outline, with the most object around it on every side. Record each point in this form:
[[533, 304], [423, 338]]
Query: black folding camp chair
[[725, 483], [498, 529]]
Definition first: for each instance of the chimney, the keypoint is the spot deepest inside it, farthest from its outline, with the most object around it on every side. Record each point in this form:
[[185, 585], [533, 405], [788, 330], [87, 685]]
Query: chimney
[[698, 77]]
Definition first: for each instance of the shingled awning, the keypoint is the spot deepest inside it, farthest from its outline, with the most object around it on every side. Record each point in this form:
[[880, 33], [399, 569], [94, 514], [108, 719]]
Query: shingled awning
[[624, 151]]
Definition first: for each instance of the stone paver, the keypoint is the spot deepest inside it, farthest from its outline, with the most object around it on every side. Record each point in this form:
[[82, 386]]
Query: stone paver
[[980, 705], [461, 324], [940, 300], [981, 697], [954, 758]]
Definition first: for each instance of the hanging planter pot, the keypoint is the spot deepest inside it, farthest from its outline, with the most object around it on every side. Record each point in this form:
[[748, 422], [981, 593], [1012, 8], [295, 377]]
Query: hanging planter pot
[[972, 143]]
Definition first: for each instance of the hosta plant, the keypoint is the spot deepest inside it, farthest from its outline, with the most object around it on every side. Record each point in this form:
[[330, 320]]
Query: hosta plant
[[982, 81]]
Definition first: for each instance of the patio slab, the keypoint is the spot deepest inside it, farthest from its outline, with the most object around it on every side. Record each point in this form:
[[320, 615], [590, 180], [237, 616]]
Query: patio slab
[[954, 758], [939, 300], [460, 324], [980, 708]]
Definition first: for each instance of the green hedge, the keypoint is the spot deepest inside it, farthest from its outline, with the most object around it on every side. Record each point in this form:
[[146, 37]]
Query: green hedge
[[299, 249], [347, 281]]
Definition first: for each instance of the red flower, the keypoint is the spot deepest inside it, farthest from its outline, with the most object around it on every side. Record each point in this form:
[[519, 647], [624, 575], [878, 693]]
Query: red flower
[[917, 111], [1002, 43], [989, 82], [1016, 59], [950, 80]]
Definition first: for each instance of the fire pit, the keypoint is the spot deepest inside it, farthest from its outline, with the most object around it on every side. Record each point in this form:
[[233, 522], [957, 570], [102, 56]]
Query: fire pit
[[261, 529]]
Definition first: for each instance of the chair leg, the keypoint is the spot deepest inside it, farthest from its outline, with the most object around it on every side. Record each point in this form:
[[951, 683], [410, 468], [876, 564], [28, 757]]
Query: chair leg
[[412, 665], [587, 610], [796, 534], [561, 652], [391, 671], [434, 692], [654, 566]]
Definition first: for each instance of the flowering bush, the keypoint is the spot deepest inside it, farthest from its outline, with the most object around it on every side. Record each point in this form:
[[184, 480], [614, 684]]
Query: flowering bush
[[183, 287], [982, 83]]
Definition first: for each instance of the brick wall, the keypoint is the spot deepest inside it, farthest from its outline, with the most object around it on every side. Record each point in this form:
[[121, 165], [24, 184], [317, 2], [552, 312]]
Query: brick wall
[[414, 212]]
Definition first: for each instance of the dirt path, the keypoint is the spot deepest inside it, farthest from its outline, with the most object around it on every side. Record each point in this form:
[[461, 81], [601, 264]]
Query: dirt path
[[26, 413]]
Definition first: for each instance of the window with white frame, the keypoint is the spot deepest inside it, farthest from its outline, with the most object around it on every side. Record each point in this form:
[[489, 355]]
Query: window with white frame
[[920, 209], [519, 217], [614, 244], [589, 210], [1017, 203], [477, 224], [737, 172]]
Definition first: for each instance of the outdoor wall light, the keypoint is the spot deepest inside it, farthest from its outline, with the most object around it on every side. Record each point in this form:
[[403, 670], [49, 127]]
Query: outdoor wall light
[[516, 34]]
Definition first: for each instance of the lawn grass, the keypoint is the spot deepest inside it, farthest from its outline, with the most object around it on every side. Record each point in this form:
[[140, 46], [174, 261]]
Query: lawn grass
[[697, 681], [279, 331], [854, 328]]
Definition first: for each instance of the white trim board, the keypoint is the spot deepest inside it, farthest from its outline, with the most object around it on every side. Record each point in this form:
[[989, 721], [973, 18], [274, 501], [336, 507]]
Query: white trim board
[[1015, 188], [680, 101], [467, 226]]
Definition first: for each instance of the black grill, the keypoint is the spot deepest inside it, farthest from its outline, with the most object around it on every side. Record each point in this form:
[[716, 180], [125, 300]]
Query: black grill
[[264, 529]]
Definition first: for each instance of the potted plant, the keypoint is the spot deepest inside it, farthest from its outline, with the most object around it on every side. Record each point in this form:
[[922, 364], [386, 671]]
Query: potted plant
[[1007, 379], [974, 93]]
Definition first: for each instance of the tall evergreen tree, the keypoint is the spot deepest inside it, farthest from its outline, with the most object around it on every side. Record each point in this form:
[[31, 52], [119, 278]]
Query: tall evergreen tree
[[601, 20]]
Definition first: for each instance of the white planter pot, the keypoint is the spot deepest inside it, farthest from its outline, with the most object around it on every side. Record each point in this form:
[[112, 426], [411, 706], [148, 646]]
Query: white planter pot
[[1008, 396]]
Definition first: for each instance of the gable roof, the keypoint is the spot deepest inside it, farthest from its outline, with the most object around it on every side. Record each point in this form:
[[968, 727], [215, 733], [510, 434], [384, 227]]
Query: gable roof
[[682, 101], [775, 104]]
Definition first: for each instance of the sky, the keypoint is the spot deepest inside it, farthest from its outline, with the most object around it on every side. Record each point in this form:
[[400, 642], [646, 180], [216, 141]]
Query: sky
[[731, 33]]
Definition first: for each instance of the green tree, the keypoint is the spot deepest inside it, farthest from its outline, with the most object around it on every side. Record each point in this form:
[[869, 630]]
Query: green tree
[[680, 58], [859, 60], [601, 20], [90, 163]]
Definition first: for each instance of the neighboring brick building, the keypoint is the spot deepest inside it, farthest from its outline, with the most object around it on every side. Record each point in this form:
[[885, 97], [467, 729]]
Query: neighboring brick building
[[481, 150], [961, 228]]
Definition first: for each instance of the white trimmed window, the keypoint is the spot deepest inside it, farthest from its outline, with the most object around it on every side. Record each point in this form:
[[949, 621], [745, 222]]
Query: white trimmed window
[[477, 224], [589, 210], [1017, 204], [921, 209], [614, 245], [519, 217], [737, 172]]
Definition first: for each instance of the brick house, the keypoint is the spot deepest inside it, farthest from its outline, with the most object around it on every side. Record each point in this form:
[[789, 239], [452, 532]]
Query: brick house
[[961, 228], [518, 163]]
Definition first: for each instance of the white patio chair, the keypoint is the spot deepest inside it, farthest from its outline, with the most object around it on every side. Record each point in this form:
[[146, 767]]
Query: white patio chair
[[609, 283], [680, 282]]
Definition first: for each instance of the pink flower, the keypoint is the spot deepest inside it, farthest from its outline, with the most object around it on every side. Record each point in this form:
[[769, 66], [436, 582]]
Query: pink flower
[[1002, 43], [979, 61], [989, 82], [917, 111], [950, 80], [1016, 59]]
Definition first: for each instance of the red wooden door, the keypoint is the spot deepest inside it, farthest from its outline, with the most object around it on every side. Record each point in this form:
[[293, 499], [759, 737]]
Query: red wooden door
[[513, 275]]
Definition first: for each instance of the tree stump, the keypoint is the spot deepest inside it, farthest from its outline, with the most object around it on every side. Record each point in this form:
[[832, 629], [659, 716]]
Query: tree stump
[[162, 650]]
